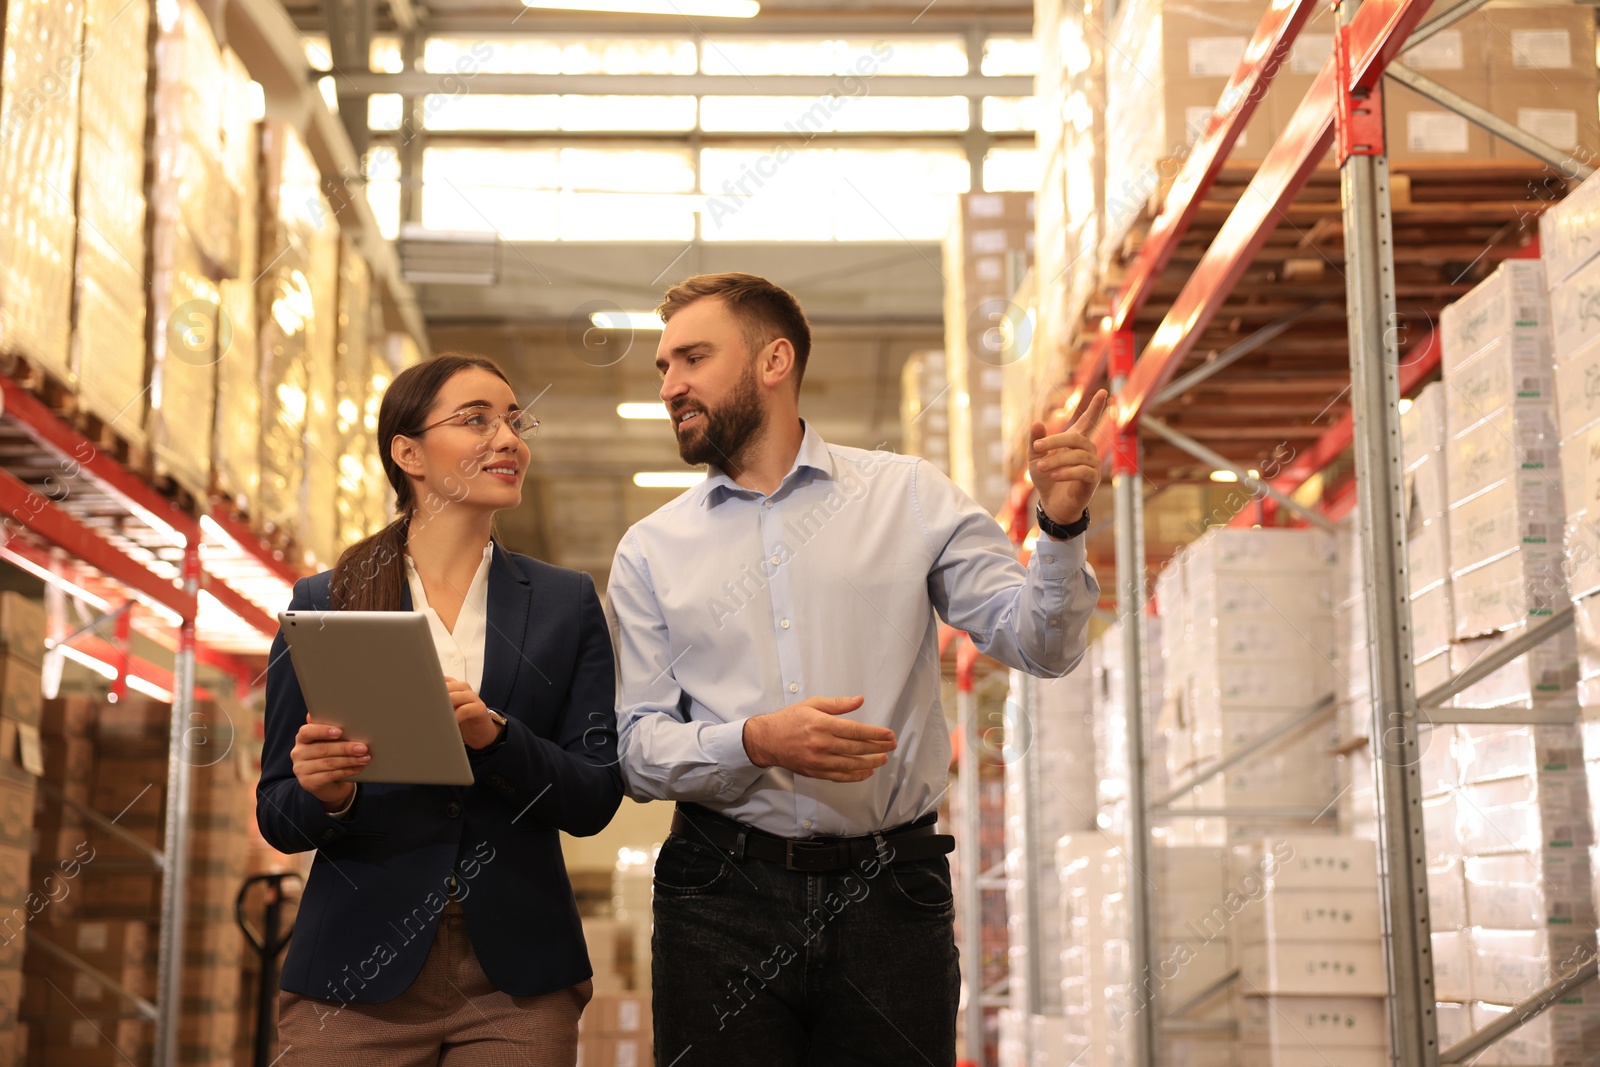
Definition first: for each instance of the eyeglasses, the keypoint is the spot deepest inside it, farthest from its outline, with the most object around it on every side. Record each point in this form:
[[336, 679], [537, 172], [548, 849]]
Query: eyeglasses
[[522, 423]]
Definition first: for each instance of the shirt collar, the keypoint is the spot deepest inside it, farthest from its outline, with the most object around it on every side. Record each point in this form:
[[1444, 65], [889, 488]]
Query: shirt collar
[[813, 460]]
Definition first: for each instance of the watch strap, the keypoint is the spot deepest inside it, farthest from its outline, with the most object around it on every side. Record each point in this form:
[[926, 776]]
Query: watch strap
[[1057, 530]]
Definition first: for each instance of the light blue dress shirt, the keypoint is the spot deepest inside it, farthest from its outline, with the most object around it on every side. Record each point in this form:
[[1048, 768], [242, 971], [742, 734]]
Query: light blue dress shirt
[[727, 603]]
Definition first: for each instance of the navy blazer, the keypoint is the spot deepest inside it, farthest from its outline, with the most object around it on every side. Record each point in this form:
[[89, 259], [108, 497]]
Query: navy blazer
[[378, 882]]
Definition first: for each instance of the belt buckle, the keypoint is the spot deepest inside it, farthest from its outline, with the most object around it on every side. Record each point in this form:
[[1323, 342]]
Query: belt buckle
[[788, 855]]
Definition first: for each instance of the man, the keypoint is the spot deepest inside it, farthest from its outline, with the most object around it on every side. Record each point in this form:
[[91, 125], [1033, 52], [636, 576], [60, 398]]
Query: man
[[778, 677]]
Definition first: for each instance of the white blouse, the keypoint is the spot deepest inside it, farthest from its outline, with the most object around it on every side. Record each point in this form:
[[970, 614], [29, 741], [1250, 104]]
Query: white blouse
[[460, 650]]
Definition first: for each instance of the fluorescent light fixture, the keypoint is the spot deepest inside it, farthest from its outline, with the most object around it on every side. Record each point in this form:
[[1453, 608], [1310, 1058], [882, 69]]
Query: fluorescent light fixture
[[643, 411], [627, 320], [109, 673], [727, 9], [1405, 404], [668, 479], [1224, 476]]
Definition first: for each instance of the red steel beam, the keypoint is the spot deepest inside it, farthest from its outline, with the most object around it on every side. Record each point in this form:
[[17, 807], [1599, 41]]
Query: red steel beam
[[1377, 33], [263, 553], [111, 477], [240, 605], [1257, 68], [26, 508]]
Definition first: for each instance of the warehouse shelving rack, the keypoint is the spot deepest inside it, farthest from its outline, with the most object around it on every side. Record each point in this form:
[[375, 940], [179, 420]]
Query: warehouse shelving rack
[[94, 531], [1343, 106]]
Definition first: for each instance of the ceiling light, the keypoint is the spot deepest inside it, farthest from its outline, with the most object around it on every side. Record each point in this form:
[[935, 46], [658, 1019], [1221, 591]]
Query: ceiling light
[[1224, 476], [730, 9], [1405, 405], [627, 320], [668, 479], [643, 411]]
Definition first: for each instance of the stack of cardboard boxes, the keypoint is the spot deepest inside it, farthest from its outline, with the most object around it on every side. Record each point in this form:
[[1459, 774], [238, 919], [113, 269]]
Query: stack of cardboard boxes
[[925, 409], [988, 250], [1310, 953], [105, 905], [1252, 645], [22, 631], [1503, 473], [616, 1031]]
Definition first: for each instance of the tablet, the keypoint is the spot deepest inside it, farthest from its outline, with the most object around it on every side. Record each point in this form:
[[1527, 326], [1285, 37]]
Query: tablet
[[376, 675]]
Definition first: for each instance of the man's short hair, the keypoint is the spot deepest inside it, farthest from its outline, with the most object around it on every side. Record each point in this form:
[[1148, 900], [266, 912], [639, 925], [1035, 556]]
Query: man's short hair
[[764, 310]]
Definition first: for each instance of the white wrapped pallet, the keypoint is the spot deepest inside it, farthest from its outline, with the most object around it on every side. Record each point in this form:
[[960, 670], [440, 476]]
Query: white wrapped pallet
[[1503, 473]]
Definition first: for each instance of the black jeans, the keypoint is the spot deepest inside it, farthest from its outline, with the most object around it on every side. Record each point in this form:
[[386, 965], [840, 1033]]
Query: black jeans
[[755, 964]]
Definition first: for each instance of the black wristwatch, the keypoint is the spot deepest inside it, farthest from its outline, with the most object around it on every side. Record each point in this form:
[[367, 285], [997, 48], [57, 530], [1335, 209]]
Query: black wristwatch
[[1055, 529]]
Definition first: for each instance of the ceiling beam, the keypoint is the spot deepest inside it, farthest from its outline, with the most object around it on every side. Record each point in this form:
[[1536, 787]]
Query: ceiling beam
[[775, 22], [419, 83], [350, 46]]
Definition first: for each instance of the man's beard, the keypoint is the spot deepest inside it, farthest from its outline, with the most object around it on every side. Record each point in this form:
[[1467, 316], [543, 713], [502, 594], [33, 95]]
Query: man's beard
[[728, 430]]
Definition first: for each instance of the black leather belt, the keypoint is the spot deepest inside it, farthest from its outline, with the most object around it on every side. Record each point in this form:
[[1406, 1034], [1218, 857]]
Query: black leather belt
[[813, 855]]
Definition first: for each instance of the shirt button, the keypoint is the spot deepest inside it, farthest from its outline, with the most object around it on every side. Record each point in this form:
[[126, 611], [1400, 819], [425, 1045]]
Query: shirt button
[[784, 624], [794, 687], [453, 810], [775, 561], [807, 824], [1048, 559], [766, 503]]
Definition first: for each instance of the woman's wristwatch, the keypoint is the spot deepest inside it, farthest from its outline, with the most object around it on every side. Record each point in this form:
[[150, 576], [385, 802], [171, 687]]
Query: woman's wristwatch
[[1056, 529], [500, 721]]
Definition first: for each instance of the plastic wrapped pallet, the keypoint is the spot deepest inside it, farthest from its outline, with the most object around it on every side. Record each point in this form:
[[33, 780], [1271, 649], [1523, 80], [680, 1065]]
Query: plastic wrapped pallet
[[1306, 932], [108, 319], [353, 438], [1095, 1004], [191, 217], [1257, 633], [236, 459], [39, 82], [293, 213], [1503, 473]]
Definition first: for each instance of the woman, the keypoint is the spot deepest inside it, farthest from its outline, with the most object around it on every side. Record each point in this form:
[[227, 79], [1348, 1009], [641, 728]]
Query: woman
[[438, 925]]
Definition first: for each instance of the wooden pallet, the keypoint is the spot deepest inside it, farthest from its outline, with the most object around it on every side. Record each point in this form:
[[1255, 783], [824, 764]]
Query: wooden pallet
[[62, 399]]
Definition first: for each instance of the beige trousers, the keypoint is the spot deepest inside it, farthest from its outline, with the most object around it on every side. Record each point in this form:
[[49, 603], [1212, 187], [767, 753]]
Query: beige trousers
[[451, 1016]]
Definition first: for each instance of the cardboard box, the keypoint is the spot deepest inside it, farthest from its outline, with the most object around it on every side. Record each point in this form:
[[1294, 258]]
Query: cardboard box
[[1562, 114], [1550, 887], [21, 690], [1418, 129], [1575, 314], [1270, 1056], [1509, 965], [1311, 915], [22, 627], [1452, 964], [1314, 968], [1447, 896], [1311, 861], [1554, 38], [69, 716], [1567, 232], [1313, 1022]]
